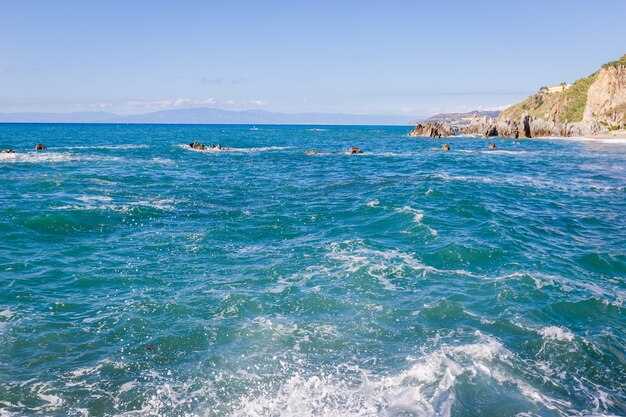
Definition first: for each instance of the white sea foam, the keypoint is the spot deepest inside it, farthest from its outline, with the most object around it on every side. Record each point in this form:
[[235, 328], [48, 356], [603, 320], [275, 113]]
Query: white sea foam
[[237, 150], [418, 215], [556, 333], [163, 161], [7, 314], [5, 318], [608, 294], [105, 203], [373, 203], [612, 141], [120, 146], [355, 256], [426, 388], [52, 157]]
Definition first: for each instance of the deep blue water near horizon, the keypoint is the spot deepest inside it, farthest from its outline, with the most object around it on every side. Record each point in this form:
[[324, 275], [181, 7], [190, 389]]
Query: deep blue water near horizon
[[140, 277]]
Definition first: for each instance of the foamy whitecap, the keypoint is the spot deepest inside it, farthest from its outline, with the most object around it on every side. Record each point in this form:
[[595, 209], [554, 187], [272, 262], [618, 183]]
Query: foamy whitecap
[[373, 203], [52, 157], [6, 314], [104, 203], [384, 266], [418, 215], [237, 150], [556, 333], [120, 146], [426, 388]]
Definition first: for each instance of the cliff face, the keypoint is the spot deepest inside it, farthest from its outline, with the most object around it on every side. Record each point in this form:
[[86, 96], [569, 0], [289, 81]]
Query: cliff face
[[593, 104], [606, 97]]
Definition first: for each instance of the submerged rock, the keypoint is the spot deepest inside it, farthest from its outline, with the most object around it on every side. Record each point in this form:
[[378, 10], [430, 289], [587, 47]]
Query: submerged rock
[[354, 150], [40, 147], [8, 151]]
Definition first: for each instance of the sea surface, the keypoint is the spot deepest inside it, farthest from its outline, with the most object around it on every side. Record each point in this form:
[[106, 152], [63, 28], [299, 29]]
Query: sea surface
[[139, 277]]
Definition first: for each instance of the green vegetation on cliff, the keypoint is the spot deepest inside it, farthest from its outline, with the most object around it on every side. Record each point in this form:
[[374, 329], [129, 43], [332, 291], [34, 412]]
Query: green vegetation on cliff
[[560, 106], [619, 63], [568, 105], [576, 99]]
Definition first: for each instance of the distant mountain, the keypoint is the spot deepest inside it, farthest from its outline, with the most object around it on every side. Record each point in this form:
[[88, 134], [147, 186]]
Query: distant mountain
[[459, 119], [206, 116]]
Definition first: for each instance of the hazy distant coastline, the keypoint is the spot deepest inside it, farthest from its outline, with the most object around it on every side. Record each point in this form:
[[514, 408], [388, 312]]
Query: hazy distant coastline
[[208, 116]]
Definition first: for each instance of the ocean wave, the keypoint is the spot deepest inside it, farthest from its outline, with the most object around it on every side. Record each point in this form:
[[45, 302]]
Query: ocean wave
[[524, 181], [52, 157], [238, 150], [384, 266], [426, 388], [556, 333], [607, 294], [418, 215], [121, 146], [494, 151], [105, 203]]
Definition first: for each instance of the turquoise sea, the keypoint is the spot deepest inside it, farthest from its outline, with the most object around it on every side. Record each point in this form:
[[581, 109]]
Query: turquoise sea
[[139, 277]]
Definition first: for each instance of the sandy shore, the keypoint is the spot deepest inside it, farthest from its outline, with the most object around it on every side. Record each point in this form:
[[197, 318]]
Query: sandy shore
[[618, 134]]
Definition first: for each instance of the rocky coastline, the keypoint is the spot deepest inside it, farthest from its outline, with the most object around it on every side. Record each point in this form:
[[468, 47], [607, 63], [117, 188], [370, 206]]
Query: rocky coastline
[[590, 107]]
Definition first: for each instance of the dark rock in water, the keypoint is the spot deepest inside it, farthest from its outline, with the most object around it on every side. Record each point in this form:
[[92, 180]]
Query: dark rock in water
[[311, 152], [40, 147], [354, 150], [492, 146], [197, 145], [8, 151], [526, 125], [445, 147], [491, 131], [432, 130]]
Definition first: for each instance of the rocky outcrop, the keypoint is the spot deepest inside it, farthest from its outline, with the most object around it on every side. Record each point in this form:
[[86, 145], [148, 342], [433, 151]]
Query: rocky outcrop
[[529, 127], [354, 150], [489, 127], [200, 147], [40, 147], [606, 97], [197, 145], [591, 105], [432, 130]]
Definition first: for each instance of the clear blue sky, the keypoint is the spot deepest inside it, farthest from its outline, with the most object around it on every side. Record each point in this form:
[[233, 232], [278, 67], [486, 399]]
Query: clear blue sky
[[376, 57]]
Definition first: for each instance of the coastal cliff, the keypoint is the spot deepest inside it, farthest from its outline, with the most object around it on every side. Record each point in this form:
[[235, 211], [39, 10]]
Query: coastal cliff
[[592, 105]]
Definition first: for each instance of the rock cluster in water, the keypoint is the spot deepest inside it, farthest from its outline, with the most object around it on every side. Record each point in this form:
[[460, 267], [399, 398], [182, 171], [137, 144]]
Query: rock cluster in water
[[40, 147], [354, 150], [201, 147], [432, 130]]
